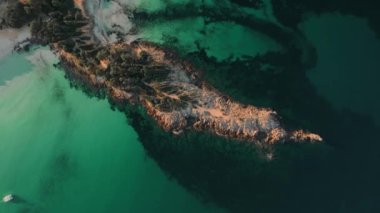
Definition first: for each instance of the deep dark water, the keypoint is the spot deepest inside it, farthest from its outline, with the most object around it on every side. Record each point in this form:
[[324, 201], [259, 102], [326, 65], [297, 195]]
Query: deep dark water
[[290, 13], [339, 176]]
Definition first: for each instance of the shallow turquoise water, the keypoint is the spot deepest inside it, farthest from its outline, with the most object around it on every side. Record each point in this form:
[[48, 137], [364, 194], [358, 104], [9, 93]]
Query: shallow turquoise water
[[212, 37], [61, 151]]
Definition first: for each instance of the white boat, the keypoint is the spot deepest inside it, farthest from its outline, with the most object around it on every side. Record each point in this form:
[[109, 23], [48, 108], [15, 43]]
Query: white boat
[[7, 198]]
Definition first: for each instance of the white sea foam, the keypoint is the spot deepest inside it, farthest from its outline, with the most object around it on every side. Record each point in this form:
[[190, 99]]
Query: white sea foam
[[115, 17], [9, 37], [42, 57], [111, 18]]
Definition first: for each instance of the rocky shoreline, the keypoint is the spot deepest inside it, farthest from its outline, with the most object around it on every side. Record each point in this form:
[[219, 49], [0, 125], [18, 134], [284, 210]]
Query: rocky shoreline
[[239, 174], [170, 89]]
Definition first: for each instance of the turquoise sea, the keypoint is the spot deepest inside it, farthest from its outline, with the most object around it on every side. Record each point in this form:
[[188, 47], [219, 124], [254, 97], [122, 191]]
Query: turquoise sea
[[61, 151]]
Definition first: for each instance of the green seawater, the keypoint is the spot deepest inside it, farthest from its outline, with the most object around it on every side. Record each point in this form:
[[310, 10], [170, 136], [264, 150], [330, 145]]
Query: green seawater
[[347, 71], [189, 32], [61, 151]]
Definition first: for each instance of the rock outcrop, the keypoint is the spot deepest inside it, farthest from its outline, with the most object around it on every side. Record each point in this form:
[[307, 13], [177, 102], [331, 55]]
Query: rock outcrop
[[143, 73]]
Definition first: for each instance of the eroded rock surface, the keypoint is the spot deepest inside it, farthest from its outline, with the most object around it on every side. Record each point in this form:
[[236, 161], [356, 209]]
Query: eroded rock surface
[[171, 89]]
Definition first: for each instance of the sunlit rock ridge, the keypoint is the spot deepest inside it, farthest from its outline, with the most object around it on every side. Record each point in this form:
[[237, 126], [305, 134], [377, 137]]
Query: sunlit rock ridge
[[142, 73]]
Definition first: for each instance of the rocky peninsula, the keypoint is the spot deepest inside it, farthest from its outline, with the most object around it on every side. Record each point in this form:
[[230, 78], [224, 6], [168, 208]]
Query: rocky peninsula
[[171, 89]]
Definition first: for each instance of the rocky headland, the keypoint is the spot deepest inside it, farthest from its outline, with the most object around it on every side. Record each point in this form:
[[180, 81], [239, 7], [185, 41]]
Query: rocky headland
[[243, 157], [170, 89]]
